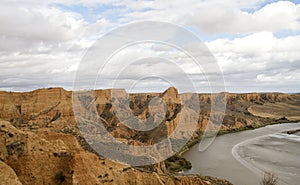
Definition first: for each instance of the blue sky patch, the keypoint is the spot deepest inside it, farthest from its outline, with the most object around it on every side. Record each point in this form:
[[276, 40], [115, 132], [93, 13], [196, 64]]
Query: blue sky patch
[[266, 2], [92, 13]]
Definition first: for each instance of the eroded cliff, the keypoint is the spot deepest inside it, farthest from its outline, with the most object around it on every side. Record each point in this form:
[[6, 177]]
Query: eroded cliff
[[40, 141]]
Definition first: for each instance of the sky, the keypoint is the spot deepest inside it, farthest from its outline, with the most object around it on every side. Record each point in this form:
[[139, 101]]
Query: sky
[[256, 43]]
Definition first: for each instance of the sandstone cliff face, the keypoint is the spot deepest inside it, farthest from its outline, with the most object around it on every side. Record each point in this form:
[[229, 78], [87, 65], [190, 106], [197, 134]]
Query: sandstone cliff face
[[278, 106], [41, 144], [8, 176], [241, 108], [45, 157], [52, 109], [40, 108]]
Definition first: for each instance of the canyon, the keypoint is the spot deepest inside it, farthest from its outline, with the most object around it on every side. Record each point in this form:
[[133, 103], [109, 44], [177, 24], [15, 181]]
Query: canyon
[[41, 142]]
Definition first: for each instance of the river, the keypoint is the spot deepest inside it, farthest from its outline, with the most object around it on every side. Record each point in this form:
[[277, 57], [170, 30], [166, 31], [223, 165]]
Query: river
[[242, 157]]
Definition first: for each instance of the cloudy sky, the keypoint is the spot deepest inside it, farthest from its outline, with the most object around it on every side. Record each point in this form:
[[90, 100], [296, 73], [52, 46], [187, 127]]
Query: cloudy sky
[[256, 43]]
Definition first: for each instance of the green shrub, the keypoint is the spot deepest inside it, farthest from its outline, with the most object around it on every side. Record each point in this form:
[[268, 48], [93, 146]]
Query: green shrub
[[177, 163]]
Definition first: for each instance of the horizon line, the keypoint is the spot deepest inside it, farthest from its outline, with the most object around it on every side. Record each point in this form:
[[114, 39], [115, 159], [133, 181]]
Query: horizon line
[[144, 92]]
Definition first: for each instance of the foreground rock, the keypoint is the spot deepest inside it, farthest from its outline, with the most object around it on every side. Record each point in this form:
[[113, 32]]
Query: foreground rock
[[7, 175], [45, 157]]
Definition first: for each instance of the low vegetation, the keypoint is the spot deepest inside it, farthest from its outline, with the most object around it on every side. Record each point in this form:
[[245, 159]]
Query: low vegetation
[[177, 163], [269, 178]]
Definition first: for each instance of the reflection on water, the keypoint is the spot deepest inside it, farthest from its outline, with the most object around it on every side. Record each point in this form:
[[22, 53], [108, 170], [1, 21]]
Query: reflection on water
[[242, 157]]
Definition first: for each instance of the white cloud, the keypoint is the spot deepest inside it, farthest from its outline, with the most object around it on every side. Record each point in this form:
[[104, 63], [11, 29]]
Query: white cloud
[[42, 44], [282, 15], [259, 59], [229, 16], [39, 24], [262, 43]]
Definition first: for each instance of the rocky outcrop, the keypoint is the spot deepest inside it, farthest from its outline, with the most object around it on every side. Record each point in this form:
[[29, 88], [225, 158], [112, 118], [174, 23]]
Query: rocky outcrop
[[53, 109], [40, 142], [45, 157], [7, 175], [40, 108]]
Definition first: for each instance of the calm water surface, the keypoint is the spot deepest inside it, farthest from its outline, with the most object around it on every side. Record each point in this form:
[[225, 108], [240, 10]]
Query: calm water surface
[[242, 157]]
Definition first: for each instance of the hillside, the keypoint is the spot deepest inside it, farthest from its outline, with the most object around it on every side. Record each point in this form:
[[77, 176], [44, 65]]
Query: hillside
[[40, 141]]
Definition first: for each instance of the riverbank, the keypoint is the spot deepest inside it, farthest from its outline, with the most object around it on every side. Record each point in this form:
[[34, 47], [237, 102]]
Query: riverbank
[[178, 163], [218, 160], [293, 131]]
